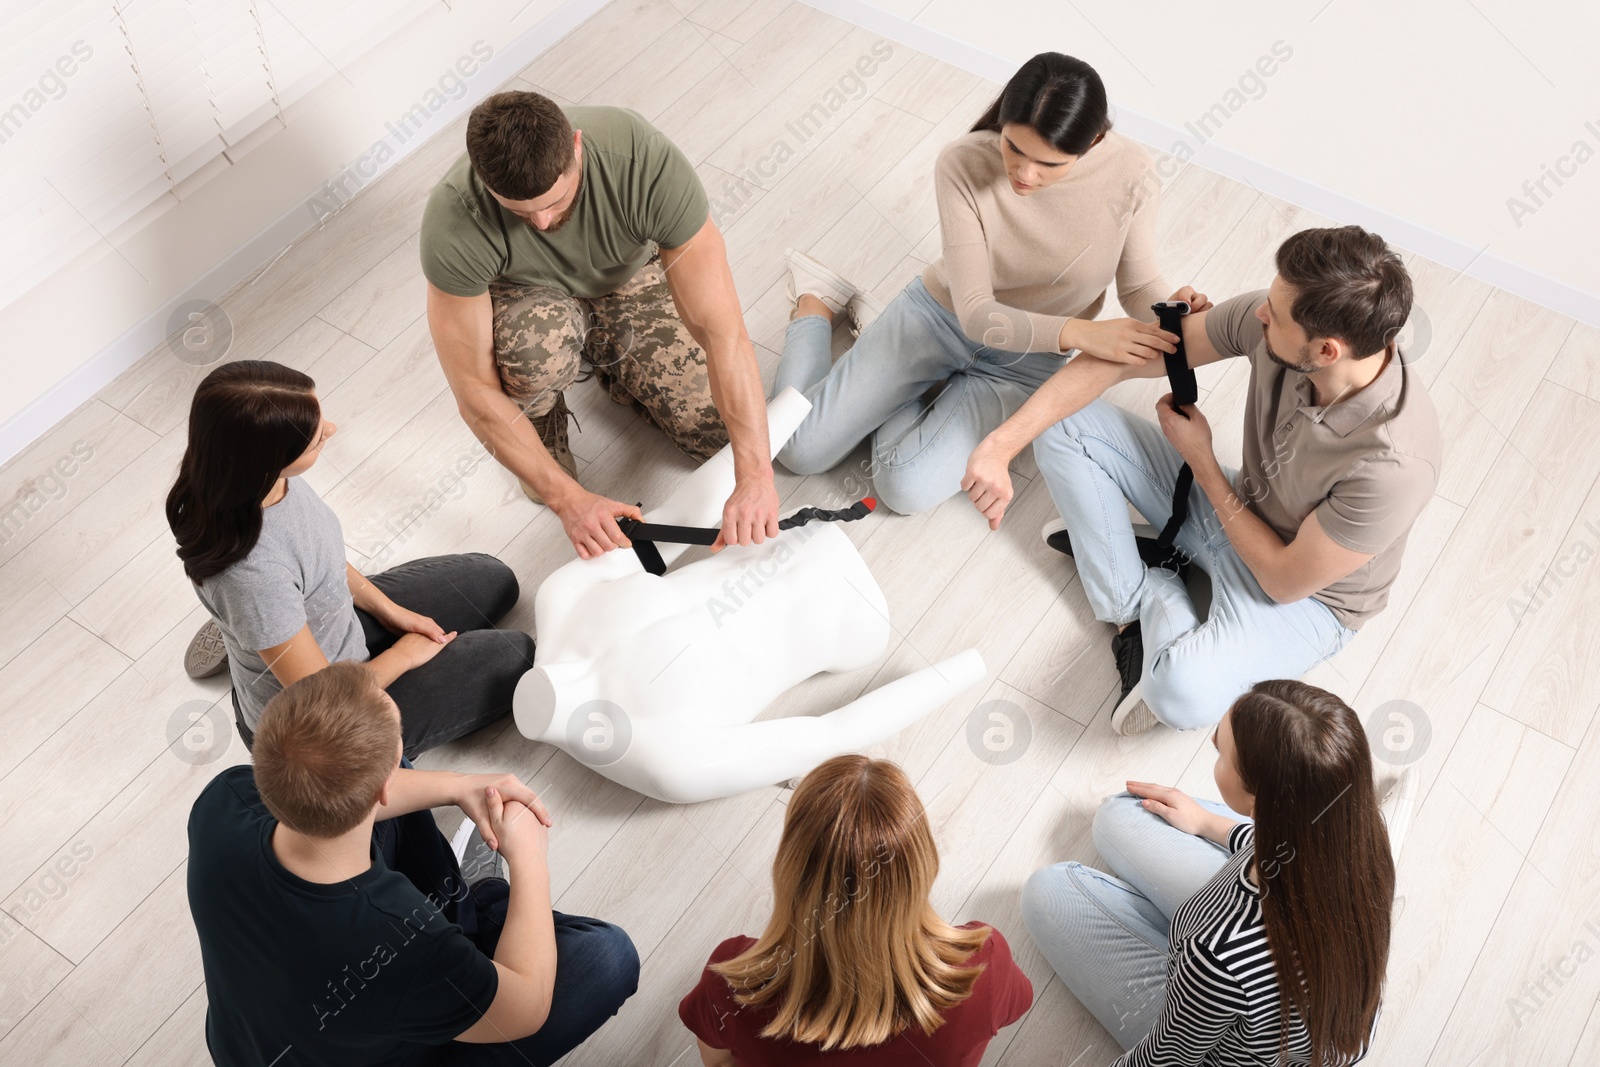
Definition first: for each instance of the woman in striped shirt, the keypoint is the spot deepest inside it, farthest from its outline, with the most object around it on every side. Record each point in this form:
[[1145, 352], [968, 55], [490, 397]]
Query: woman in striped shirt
[[1224, 942]]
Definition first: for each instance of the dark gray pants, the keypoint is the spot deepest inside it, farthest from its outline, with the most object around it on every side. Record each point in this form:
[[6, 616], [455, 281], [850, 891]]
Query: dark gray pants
[[469, 684]]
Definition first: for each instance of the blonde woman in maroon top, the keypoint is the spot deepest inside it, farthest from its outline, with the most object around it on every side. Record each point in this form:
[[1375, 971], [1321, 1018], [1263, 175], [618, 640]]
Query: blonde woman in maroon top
[[855, 966]]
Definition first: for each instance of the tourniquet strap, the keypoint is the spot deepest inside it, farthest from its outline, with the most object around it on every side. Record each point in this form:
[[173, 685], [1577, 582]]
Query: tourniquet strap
[[644, 535], [1185, 390]]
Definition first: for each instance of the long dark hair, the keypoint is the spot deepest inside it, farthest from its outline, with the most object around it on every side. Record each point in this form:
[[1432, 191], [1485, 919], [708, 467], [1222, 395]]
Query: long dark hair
[[1061, 98], [1323, 852], [249, 420]]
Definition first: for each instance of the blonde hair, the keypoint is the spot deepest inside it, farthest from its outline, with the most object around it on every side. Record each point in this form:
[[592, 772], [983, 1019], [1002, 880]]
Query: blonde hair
[[324, 748], [854, 952]]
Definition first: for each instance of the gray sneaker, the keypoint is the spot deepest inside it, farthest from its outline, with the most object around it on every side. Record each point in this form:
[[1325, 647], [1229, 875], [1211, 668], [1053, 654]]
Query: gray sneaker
[[478, 860], [206, 654]]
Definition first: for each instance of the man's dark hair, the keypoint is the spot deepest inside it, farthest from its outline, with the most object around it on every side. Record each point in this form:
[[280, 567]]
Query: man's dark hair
[[519, 144], [1348, 285]]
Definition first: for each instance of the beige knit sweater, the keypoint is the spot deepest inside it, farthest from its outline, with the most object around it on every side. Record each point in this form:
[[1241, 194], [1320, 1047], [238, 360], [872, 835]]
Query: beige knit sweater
[[1015, 268]]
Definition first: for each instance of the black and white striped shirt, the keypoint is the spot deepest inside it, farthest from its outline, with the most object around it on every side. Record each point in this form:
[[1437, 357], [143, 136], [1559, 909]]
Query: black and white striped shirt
[[1222, 992]]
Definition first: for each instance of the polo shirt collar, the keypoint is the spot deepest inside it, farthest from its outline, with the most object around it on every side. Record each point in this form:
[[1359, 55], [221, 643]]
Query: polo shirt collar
[[1351, 412]]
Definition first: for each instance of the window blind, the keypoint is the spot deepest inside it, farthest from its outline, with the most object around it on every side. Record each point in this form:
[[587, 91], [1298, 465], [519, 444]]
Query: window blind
[[114, 111]]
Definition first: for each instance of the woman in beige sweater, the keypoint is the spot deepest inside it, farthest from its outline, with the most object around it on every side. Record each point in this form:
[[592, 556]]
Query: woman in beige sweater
[[1041, 206]]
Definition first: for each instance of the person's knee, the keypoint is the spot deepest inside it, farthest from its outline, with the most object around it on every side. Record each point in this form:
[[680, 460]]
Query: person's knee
[[1117, 818], [1184, 696], [803, 454], [516, 653], [539, 341], [1047, 898], [1065, 441], [906, 492], [611, 961], [498, 581]]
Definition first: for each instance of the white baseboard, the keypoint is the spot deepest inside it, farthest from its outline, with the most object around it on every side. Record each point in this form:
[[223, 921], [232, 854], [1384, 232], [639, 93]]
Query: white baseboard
[[94, 374], [1403, 233]]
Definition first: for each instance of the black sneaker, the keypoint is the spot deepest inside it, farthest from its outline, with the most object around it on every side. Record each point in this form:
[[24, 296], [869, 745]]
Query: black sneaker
[[1131, 715], [1055, 535]]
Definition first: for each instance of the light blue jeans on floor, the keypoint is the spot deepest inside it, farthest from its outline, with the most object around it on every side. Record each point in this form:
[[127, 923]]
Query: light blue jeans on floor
[[1194, 668], [1106, 934], [919, 448]]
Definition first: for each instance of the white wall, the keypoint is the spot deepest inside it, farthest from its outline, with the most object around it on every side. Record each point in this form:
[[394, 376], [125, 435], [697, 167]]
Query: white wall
[[1417, 118], [1420, 119], [86, 323]]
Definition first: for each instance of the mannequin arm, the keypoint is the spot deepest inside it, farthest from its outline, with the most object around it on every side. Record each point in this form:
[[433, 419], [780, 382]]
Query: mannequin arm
[[687, 766]]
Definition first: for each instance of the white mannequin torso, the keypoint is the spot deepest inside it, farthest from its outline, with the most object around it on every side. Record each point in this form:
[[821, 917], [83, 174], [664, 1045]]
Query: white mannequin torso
[[655, 680]]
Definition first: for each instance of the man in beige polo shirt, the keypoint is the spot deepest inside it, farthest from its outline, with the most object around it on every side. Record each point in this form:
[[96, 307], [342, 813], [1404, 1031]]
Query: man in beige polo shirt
[[1302, 543]]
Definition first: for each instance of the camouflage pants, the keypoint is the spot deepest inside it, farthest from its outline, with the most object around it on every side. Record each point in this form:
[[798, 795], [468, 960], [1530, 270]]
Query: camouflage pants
[[638, 349]]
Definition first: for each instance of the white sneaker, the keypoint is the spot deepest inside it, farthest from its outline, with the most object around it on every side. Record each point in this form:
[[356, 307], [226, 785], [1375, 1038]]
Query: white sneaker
[[807, 277], [1133, 716], [1397, 799], [863, 309]]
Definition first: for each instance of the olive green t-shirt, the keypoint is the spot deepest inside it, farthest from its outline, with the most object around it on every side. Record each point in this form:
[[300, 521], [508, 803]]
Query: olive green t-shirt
[[638, 191], [1366, 465]]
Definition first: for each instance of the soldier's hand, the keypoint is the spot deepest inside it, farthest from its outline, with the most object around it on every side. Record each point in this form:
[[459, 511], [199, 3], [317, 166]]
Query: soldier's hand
[[591, 522], [751, 514]]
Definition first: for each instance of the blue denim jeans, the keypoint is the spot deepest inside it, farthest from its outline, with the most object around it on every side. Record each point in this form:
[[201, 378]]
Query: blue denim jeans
[[880, 389], [1106, 934], [1194, 668]]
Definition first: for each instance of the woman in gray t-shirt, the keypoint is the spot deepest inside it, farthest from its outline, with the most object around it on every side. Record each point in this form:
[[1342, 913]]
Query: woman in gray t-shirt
[[267, 560]]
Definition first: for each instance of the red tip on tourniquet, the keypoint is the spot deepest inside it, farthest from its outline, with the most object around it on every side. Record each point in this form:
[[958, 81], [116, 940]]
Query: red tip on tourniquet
[[870, 502]]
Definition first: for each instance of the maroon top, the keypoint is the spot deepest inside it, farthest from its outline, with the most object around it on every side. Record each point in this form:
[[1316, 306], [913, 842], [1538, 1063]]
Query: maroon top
[[999, 997]]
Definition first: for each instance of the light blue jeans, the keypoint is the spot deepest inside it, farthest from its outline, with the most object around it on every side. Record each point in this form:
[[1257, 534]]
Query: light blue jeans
[[878, 388], [1194, 668], [1106, 935]]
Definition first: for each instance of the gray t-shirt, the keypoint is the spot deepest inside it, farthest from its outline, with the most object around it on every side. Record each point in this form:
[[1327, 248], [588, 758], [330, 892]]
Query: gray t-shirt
[[294, 576]]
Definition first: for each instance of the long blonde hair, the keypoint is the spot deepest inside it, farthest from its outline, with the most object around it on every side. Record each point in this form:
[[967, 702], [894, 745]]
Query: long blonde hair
[[854, 952]]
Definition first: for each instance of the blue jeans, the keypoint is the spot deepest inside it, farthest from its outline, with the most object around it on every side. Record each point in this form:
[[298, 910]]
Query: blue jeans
[[597, 967], [1106, 935], [878, 388], [1194, 668]]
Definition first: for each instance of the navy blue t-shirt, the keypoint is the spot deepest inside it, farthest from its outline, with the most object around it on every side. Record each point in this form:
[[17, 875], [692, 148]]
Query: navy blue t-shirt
[[298, 974]]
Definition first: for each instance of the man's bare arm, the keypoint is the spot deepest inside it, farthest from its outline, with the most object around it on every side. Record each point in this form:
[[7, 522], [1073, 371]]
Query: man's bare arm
[[1286, 572], [988, 478], [707, 302], [463, 335]]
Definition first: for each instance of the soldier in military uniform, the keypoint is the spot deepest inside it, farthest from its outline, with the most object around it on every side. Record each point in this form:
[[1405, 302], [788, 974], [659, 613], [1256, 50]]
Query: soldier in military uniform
[[576, 242]]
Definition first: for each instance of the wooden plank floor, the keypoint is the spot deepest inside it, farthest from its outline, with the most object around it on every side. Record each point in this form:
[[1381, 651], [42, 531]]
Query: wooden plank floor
[[1490, 640]]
